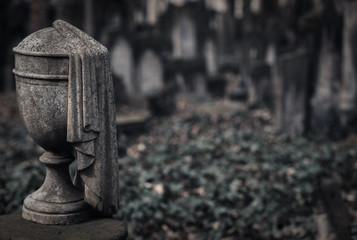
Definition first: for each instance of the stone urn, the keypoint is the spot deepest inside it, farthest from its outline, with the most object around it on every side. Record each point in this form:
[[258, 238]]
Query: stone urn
[[65, 95], [41, 73]]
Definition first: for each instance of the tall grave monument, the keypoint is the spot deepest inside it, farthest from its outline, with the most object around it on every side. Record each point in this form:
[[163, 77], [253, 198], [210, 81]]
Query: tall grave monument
[[65, 96]]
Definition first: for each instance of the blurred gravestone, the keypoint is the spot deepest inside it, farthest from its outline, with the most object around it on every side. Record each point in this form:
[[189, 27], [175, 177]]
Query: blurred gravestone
[[291, 93], [349, 70], [122, 64], [150, 73], [184, 38], [180, 82], [270, 55], [260, 87], [225, 31], [324, 117], [152, 11], [210, 55], [200, 88]]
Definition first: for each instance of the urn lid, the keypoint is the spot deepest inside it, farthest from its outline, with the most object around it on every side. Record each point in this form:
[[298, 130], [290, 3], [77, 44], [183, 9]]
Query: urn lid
[[45, 42]]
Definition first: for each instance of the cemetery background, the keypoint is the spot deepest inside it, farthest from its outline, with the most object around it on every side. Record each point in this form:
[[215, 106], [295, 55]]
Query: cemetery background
[[236, 118]]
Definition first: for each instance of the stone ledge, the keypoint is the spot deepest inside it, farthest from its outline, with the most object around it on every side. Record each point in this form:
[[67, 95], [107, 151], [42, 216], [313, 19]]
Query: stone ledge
[[14, 227]]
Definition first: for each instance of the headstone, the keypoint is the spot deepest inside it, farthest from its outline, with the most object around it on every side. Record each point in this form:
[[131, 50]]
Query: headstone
[[349, 71], [225, 28], [238, 9], [66, 73], [255, 6], [122, 64], [150, 73], [218, 6], [270, 55], [200, 85], [260, 87], [152, 11], [184, 38], [180, 82], [291, 93], [210, 55], [324, 104]]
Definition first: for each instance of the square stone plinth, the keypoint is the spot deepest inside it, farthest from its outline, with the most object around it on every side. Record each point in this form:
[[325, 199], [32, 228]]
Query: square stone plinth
[[14, 227]]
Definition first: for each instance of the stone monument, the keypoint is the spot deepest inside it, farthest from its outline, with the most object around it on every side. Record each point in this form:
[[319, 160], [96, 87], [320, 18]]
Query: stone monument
[[65, 95]]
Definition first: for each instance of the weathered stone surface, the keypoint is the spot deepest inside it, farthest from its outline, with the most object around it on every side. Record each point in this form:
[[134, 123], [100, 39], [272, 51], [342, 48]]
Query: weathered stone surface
[[13, 226], [65, 95]]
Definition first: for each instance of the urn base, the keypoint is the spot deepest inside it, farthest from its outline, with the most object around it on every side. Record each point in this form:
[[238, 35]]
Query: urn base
[[57, 201], [56, 218]]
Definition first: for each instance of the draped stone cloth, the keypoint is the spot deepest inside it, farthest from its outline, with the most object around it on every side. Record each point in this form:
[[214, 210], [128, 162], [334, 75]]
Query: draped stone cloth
[[91, 119]]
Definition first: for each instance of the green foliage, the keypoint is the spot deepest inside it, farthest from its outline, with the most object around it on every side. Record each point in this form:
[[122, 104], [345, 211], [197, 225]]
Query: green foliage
[[226, 181], [204, 177], [20, 172]]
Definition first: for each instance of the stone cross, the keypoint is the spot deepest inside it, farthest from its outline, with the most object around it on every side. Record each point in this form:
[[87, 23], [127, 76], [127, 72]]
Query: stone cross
[[65, 95]]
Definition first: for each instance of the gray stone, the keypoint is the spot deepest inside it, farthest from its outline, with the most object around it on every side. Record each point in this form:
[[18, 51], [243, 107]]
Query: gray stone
[[184, 38], [225, 27], [324, 103], [210, 55], [65, 95], [291, 95], [150, 73], [122, 64], [348, 92], [12, 226], [200, 87]]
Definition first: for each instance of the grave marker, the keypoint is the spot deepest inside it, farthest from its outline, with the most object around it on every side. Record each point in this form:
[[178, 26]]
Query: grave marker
[[150, 73]]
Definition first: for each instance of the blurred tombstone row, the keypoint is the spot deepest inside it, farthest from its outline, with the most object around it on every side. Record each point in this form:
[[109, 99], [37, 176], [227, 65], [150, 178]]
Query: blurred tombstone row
[[297, 58]]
